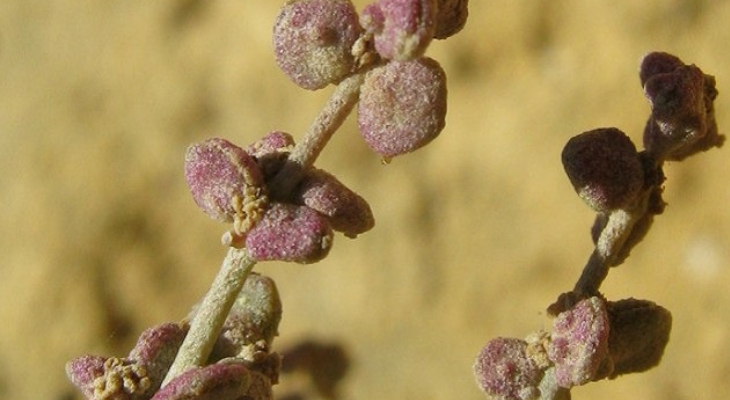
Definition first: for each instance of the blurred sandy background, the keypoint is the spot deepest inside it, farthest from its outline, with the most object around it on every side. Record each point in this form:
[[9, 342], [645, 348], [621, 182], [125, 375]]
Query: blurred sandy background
[[477, 233]]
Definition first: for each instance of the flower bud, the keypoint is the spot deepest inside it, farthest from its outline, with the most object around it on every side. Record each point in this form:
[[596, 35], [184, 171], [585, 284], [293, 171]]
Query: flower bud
[[604, 168], [109, 378], [682, 119], [402, 106], [313, 40], [639, 334], [346, 210], [221, 381], [84, 371], [156, 349], [290, 233], [255, 315], [401, 29], [274, 142], [579, 342], [271, 152], [450, 17], [225, 182], [505, 372]]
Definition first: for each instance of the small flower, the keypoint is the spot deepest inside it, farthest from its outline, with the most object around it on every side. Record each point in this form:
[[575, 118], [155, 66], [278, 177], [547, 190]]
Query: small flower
[[313, 40], [604, 168], [579, 342], [226, 183], [401, 29], [135, 377], [402, 106], [290, 233], [505, 372], [156, 349]]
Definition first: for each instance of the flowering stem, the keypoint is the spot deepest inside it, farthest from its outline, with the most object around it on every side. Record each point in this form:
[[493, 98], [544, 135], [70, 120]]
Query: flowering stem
[[338, 107], [216, 305], [212, 313]]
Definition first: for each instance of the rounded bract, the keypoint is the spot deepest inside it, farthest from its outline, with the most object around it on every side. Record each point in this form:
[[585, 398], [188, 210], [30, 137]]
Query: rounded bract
[[604, 168], [402, 106], [221, 177], [313, 41]]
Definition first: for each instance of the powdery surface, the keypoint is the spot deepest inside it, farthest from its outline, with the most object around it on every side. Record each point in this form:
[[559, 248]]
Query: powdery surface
[[475, 235]]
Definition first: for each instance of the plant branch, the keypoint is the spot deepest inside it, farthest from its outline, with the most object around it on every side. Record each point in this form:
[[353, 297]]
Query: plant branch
[[212, 313], [216, 305]]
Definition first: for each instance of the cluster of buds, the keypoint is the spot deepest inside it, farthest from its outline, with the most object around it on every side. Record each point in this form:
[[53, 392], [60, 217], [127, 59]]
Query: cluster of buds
[[593, 338], [231, 184], [241, 366], [402, 104]]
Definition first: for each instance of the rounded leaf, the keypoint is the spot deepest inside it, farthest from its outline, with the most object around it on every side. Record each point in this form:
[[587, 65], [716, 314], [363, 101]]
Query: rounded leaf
[[290, 233], [313, 41], [221, 177], [346, 210], [604, 168], [402, 106]]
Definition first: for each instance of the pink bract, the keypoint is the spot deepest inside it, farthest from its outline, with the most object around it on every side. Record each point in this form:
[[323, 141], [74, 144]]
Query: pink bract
[[218, 172], [401, 29], [579, 342], [313, 41], [290, 233], [505, 372], [347, 212], [402, 106]]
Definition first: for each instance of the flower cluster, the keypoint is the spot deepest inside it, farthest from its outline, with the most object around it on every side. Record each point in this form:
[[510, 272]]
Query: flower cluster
[[231, 184], [403, 98], [593, 338], [240, 366], [596, 339]]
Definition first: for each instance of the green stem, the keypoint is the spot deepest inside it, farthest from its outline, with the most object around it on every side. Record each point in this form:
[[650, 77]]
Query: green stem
[[212, 313]]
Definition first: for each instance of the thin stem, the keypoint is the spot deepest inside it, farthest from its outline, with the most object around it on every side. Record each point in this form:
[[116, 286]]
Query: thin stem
[[212, 313], [338, 107], [610, 245]]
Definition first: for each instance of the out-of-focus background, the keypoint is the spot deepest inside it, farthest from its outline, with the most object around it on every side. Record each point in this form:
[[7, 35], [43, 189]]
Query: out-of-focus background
[[476, 233]]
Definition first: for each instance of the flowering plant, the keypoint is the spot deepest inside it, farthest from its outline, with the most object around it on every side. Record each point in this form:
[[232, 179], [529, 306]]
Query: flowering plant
[[277, 204]]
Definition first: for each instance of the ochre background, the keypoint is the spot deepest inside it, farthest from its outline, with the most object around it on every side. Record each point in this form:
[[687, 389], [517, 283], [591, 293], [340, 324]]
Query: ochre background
[[476, 233]]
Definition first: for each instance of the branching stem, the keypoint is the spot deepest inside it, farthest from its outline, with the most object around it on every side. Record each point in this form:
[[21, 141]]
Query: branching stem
[[213, 311]]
